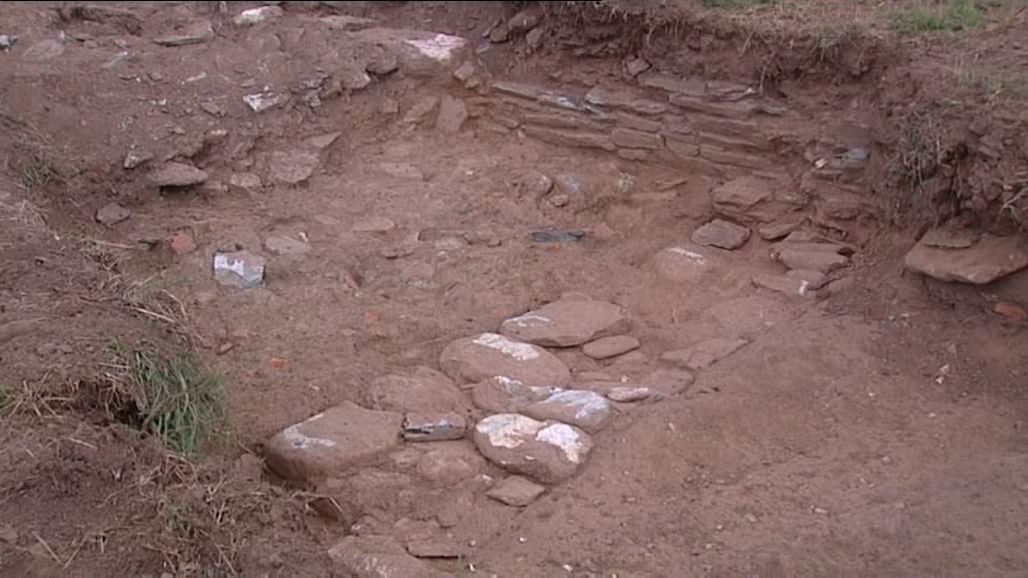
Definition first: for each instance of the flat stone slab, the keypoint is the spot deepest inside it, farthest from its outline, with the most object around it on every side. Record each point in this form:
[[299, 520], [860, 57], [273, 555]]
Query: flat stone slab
[[178, 175], [379, 557], [548, 452], [568, 323], [423, 390], [607, 347], [721, 234], [505, 395], [240, 269], [581, 408], [703, 355], [487, 355], [433, 426], [989, 259], [331, 442], [516, 491]]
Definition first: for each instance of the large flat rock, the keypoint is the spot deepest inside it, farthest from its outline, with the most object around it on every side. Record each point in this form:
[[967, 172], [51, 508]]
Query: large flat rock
[[474, 359], [379, 557], [422, 390], [568, 323], [987, 260], [550, 452], [333, 441], [581, 408]]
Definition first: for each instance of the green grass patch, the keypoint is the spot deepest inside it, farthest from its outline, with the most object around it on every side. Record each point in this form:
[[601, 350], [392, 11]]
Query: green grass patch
[[6, 396], [959, 15], [176, 400]]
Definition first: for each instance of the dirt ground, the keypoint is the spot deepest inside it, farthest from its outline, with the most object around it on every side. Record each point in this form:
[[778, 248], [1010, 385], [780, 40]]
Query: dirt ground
[[877, 430]]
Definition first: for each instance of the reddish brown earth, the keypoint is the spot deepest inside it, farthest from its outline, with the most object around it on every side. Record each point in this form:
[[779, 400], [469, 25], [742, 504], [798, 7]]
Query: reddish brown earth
[[873, 430]]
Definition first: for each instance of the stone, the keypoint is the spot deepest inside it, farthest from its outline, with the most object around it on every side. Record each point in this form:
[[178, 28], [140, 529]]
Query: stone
[[474, 359], [670, 381], [703, 355], [808, 258], [624, 394], [373, 225], [135, 158], [815, 279], [624, 99], [178, 175], [346, 23], [423, 390], [332, 442], [433, 426], [636, 66], [8, 535], [505, 395], [262, 101], [558, 235], [516, 491], [630, 138], [780, 228], [950, 239], [292, 167], [323, 141], [683, 264], [568, 323], [749, 199], [111, 214], [240, 269], [571, 137], [450, 463], [382, 63], [193, 33], [212, 108], [285, 245], [464, 71], [547, 452], [1011, 311], [791, 286], [535, 37], [434, 548], [607, 347], [255, 15], [638, 123], [420, 109], [989, 259], [247, 182], [353, 77], [722, 234], [401, 171], [379, 557], [581, 408], [453, 113], [44, 50]]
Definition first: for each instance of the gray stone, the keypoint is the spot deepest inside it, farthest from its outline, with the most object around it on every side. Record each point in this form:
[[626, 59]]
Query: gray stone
[[548, 452], [703, 355], [373, 225], [292, 167], [401, 171], [423, 390], [626, 137], [332, 442], [135, 158], [670, 381], [535, 37], [636, 66], [780, 228], [240, 269], [346, 23], [989, 259], [247, 182], [472, 360], [352, 76], [608, 347], [212, 108], [323, 141], [434, 548], [505, 395], [809, 257], [626, 394], [255, 15], [558, 235], [721, 234], [112, 214], [516, 491], [379, 557], [9, 535], [421, 109], [178, 175], [624, 99], [791, 286], [262, 101], [571, 137], [434, 426], [950, 239], [194, 33], [750, 199], [568, 323], [580, 408], [464, 71], [453, 113]]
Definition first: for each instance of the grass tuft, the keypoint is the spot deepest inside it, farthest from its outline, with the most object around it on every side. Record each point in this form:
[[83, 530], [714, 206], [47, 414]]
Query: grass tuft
[[736, 3], [176, 400], [959, 15], [6, 397]]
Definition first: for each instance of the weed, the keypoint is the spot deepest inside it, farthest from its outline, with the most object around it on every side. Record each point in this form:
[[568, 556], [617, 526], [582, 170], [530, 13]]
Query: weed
[[828, 43], [175, 399], [959, 15], [39, 170], [918, 151], [6, 397]]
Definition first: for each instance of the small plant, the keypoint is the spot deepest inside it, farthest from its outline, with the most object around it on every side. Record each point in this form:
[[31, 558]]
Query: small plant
[[39, 171], [175, 399], [6, 397], [959, 15]]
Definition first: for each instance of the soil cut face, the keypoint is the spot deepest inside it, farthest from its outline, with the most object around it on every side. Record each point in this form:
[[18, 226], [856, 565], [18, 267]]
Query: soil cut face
[[494, 289]]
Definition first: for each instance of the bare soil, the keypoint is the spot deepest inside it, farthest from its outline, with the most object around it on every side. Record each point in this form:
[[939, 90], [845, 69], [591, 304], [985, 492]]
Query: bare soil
[[875, 431]]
